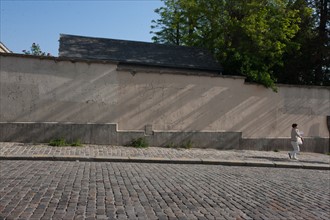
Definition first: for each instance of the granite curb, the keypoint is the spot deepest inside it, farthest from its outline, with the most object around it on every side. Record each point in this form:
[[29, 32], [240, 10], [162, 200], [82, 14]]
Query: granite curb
[[169, 161]]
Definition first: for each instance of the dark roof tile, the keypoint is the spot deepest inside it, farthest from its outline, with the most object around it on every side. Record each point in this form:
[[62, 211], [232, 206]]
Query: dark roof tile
[[137, 52]]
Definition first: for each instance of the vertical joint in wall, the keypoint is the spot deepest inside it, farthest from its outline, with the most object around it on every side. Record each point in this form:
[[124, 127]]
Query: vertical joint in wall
[[148, 130]]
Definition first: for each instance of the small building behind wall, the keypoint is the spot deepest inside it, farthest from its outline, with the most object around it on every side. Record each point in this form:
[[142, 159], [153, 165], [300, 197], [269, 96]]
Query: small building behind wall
[[105, 101], [3, 48]]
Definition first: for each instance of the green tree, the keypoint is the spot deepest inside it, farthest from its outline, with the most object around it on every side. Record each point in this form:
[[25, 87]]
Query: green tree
[[296, 61], [35, 50], [309, 64], [248, 37], [321, 61], [170, 27]]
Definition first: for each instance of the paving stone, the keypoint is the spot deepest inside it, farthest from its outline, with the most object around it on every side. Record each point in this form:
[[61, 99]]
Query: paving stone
[[205, 155], [160, 191]]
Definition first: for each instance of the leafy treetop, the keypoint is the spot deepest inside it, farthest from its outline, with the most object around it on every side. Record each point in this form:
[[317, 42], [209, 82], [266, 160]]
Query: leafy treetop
[[35, 50]]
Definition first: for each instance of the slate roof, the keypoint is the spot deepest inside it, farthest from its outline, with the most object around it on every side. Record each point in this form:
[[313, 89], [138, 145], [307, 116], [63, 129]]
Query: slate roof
[[134, 52]]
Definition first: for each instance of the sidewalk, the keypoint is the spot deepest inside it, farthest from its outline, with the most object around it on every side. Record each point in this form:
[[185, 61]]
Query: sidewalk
[[107, 153]]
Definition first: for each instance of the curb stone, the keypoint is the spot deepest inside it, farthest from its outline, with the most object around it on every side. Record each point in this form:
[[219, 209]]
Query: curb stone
[[168, 161]]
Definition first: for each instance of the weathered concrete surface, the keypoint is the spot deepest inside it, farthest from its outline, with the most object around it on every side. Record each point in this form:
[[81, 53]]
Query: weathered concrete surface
[[81, 92], [316, 144], [108, 134], [219, 140]]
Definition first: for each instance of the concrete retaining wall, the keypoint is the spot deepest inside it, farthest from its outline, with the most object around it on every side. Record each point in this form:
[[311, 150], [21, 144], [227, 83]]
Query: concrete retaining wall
[[107, 134], [317, 145], [87, 94]]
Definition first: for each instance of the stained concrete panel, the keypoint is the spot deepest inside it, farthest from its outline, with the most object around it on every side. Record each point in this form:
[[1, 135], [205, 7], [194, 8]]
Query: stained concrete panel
[[107, 134]]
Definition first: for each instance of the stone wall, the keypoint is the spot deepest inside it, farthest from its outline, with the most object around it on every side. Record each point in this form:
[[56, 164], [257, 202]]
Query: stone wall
[[55, 90], [107, 134]]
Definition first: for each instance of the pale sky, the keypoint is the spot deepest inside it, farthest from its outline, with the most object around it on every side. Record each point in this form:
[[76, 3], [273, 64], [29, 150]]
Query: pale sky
[[42, 21]]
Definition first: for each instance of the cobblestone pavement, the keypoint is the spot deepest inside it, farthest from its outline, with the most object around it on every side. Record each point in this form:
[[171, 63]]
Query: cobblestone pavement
[[103, 190], [19, 149]]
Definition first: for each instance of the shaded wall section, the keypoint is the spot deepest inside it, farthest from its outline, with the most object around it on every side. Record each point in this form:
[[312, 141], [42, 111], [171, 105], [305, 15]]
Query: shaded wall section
[[107, 134], [80, 92]]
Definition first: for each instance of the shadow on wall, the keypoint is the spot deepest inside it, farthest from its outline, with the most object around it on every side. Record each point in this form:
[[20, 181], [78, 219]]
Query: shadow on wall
[[107, 134], [59, 98], [97, 93]]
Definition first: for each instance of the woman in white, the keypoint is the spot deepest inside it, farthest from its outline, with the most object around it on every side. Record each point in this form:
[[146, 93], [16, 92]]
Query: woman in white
[[295, 135]]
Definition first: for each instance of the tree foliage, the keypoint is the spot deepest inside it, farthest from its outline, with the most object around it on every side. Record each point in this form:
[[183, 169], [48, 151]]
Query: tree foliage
[[310, 63], [248, 37], [35, 50]]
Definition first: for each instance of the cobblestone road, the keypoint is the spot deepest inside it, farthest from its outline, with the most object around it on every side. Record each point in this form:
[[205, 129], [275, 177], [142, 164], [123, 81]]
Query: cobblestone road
[[90, 190]]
